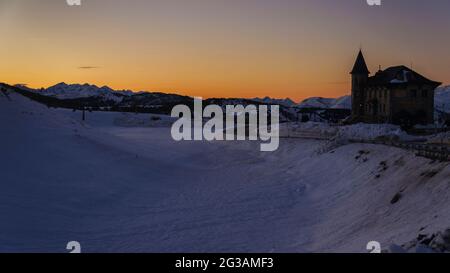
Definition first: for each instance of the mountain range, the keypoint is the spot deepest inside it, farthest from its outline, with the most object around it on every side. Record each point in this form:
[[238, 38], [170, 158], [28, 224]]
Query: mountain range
[[105, 96], [63, 91]]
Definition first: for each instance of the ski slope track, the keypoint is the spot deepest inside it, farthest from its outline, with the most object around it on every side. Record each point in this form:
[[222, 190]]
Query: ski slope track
[[117, 185]]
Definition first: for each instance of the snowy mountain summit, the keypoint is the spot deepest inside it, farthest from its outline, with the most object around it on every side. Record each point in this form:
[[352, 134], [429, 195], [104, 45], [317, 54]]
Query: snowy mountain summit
[[344, 102], [267, 100], [76, 91]]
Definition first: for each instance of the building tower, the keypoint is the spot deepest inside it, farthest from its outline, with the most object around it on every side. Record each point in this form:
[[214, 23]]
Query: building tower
[[360, 75]]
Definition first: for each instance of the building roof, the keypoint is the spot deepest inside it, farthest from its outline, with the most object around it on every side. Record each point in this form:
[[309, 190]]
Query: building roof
[[399, 75], [360, 66]]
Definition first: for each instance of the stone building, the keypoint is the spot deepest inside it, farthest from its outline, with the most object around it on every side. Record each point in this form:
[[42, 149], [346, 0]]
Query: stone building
[[396, 95]]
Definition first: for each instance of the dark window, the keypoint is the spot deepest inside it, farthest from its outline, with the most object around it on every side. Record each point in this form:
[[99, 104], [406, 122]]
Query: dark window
[[413, 93], [424, 94], [385, 93]]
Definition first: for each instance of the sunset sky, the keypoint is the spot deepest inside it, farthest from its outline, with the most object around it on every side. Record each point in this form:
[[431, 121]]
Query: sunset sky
[[219, 48]]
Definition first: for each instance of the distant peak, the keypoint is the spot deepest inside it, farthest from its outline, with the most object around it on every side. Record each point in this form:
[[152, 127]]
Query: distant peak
[[105, 87]]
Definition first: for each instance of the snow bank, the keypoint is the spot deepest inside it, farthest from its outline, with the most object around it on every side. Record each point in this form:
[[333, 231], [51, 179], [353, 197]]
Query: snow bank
[[425, 243], [142, 120], [317, 127], [360, 131], [371, 131], [442, 138]]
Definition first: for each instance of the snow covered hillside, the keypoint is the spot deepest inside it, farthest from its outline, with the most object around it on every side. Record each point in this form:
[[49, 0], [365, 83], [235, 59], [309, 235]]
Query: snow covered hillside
[[119, 185], [442, 99], [75, 91], [267, 100], [326, 103]]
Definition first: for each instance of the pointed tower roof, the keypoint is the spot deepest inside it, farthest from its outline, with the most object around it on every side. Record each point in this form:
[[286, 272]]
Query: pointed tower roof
[[360, 66]]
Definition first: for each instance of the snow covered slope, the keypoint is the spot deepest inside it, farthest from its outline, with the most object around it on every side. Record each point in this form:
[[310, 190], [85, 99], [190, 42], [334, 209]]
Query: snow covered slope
[[344, 102], [442, 99], [267, 100], [75, 91], [116, 188], [325, 103]]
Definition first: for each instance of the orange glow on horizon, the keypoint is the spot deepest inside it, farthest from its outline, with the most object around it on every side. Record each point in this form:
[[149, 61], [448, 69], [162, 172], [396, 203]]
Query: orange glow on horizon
[[214, 48]]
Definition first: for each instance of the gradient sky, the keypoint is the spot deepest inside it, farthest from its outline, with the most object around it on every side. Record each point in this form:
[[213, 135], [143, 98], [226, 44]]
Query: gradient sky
[[219, 48]]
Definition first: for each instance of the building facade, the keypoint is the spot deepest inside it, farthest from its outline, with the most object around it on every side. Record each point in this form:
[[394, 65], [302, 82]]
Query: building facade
[[396, 95]]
